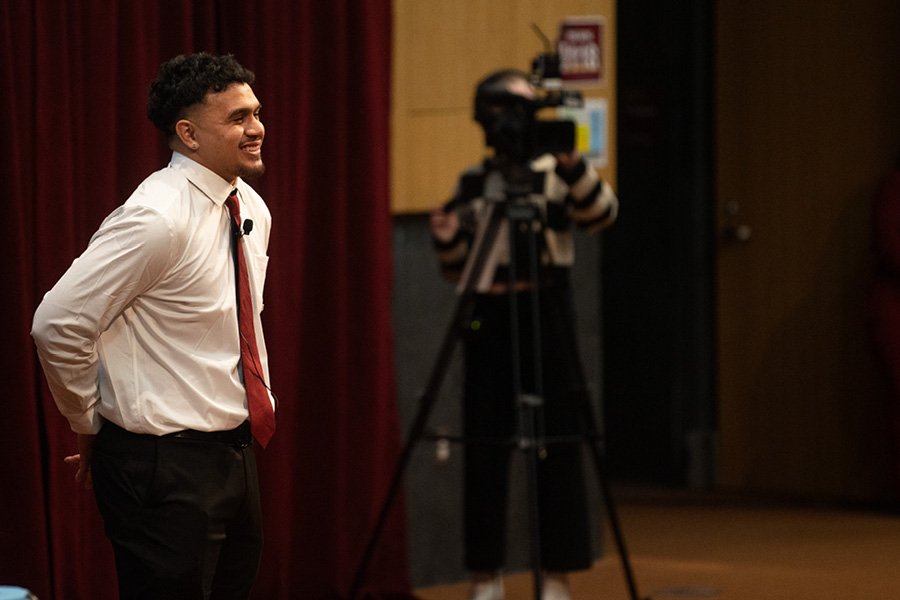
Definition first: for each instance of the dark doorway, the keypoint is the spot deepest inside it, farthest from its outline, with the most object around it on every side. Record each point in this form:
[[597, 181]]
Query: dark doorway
[[658, 405]]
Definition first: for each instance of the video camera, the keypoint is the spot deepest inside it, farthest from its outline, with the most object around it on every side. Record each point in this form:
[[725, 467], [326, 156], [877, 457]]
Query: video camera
[[510, 120]]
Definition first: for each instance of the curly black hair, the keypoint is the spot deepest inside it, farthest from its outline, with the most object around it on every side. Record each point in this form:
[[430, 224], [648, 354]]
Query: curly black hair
[[185, 80]]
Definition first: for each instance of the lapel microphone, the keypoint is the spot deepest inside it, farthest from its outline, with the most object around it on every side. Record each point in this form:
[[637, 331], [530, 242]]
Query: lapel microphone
[[246, 226]]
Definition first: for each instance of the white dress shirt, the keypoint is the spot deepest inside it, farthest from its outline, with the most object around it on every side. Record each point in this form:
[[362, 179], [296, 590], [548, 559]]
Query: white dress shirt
[[142, 329]]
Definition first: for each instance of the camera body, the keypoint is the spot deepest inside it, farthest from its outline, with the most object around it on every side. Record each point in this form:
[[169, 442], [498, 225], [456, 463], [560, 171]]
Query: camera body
[[510, 120]]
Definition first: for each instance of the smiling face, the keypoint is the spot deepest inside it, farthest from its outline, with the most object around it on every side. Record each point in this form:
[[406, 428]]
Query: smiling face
[[224, 133]]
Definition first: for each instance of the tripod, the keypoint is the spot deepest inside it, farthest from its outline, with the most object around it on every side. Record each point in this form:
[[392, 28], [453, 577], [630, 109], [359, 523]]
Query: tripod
[[520, 214]]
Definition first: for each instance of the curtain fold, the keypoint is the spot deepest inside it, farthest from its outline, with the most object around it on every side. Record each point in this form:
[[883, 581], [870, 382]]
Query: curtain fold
[[74, 81]]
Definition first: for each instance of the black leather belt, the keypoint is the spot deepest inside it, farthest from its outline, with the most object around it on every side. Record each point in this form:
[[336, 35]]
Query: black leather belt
[[240, 436]]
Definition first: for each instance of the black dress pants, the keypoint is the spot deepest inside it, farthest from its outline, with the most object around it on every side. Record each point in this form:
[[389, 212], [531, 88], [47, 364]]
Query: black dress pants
[[491, 415], [183, 515]]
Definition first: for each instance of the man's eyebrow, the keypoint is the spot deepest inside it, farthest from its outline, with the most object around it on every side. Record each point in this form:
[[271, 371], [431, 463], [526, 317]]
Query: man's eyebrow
[[243, 111]]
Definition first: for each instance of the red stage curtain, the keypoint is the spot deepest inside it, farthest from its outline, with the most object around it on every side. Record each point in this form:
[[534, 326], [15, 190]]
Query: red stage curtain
[[76, 142]]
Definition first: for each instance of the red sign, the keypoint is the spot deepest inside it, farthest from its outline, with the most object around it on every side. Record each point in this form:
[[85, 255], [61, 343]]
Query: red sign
[[580, 49]]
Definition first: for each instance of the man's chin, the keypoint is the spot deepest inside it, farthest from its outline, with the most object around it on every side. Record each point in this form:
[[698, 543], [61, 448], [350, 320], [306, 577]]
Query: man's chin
[[251, 172]]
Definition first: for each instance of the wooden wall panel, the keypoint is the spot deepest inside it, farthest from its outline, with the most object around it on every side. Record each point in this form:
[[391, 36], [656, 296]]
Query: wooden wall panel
[[441, 49]]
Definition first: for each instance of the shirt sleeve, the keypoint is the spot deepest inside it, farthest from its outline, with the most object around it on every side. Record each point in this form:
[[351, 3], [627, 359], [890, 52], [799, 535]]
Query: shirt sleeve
[[453, 253], [131, 250], [593, 201]]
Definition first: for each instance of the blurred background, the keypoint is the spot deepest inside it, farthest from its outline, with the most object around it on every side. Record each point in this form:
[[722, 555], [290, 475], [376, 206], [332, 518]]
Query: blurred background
[[724, 317]]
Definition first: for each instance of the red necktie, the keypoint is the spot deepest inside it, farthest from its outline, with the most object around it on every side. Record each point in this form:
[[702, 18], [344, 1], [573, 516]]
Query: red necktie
[[262, 417]]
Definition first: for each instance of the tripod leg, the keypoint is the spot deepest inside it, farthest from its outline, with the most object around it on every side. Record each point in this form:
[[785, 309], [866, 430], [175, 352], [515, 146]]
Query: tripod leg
[[592, 437], [521, 214], [417, 429], [429, 397], [532, 457], [415, 434]]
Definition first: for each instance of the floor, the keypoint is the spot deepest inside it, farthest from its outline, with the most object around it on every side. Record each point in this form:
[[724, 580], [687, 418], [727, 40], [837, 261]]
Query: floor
[[736, 550]]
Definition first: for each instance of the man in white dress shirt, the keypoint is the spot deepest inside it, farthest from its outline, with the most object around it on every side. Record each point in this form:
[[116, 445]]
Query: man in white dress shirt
[[140, 345]]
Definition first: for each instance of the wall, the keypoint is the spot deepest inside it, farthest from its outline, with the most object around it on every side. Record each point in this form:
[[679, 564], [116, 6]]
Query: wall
[[441, 49]]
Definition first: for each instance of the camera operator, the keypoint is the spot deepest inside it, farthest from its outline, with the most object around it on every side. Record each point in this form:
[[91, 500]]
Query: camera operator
[[564, 190]]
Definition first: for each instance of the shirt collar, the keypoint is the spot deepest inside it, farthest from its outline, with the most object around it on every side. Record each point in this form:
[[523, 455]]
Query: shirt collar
[[212, 186]]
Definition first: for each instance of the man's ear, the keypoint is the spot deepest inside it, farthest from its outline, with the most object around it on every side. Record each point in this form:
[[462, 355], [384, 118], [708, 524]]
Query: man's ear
[[184, 131]]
